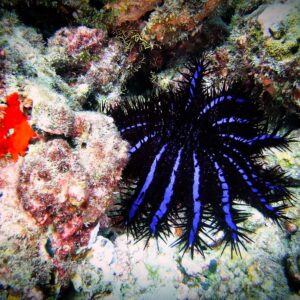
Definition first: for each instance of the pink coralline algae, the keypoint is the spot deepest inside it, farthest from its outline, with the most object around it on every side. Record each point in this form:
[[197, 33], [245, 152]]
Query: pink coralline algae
[[88, 58], [80, 39], [69, 188]]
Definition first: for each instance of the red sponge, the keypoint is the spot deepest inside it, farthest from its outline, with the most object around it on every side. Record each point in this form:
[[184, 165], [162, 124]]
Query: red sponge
[[15, 132]]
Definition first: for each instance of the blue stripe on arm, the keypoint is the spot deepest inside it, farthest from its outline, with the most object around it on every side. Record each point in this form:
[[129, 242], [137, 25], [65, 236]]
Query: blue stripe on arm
[[226, 200], [213, 103], [146, 185], [260, 197], [250, 142], [265, 137], [132, 127], [140, 143], [167, 196], [235, 138], [195, 76], [196, 201], [230, 120], [252, 171]]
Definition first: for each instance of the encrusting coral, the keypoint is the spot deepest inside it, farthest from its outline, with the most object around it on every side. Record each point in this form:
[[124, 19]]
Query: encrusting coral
[[89, 62], [174, 21], [69, 185], [79, 39], [131, 10]]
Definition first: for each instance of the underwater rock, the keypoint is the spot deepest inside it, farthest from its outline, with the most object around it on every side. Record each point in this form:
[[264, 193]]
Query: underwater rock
[[280, 25], [290, 227], [26, 63], [22, 266], [80, 66], [132, 10], [175, 20], [88, 60], [263, 42], [70, 188], [80, 39], [273, 15], [96, 273]]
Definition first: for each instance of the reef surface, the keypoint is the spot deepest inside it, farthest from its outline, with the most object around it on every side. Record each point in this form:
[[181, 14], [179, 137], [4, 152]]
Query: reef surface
[[69, 60]]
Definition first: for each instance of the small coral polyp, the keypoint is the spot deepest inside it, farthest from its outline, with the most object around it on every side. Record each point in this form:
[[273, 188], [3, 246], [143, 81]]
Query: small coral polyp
[[15, 131]]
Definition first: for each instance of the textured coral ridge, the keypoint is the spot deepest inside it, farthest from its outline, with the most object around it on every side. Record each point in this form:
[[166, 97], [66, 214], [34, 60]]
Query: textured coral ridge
[[15, 132], [194, 153]]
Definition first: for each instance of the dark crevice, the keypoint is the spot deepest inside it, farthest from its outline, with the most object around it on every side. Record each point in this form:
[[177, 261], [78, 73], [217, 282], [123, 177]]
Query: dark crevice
[[47, 20], [97, 4], [291, 274], [226, 18], [68, 292], [49, 137], [91, 103], [146, 16], [294, 49], [139, 83]]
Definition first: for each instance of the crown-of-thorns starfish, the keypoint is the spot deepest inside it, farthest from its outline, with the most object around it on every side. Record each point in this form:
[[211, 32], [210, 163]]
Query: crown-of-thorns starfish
[[195, 154]]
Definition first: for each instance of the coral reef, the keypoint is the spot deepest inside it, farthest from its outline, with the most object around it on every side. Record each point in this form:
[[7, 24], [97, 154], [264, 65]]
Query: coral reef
[[68, 185], [66, 57], [89, 62], [90, 68], [22, 266], [65, 182], [263, 42], [280, 27], [80, 39], [176, 20]]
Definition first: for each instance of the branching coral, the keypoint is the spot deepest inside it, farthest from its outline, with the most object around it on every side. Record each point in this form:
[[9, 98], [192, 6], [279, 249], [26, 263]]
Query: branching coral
[[15, 132]]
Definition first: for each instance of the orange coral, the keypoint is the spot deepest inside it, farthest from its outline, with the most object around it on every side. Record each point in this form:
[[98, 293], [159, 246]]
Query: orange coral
[[208, 9], [15, 132], [268, 85]]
